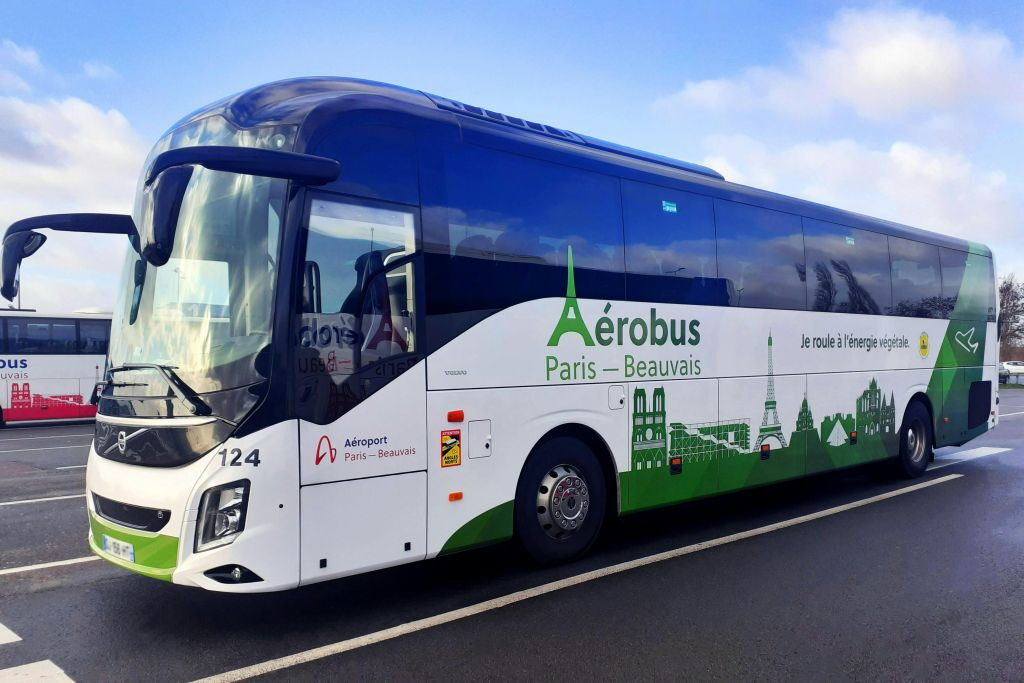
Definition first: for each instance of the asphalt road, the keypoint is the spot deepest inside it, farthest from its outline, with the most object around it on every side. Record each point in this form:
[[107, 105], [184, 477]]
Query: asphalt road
[[852, 575]]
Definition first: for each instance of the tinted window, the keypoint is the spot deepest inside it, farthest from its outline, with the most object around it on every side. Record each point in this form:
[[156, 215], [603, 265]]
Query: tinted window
[[761, 254], [345, 245], [521, 210], [93, 336], [670, 245], [379, 160], [357, 328], [916, 284], [504, 235], [847, 269], [41, 335], [968, 288]]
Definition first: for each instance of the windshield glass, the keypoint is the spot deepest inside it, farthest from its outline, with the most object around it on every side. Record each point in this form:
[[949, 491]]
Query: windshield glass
[[206, 313]]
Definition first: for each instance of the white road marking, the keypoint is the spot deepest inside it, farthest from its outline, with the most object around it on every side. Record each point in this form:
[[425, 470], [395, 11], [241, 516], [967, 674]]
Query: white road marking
[[958, 457], [47, 565], [36, 671], [8, 636], [280, 663], [57, 436], [48, 448], [1009, 414], [41, 500], [69, 467]]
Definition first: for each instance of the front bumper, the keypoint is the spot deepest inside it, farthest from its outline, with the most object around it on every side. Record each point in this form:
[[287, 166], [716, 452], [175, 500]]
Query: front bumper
[[156, 554]]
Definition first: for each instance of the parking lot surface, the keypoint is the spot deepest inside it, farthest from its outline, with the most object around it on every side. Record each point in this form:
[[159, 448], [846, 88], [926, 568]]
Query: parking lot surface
[[851, 575]]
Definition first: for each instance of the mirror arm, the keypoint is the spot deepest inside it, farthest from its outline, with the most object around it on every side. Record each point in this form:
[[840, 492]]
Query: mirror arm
[[105, 223], [306, 169]]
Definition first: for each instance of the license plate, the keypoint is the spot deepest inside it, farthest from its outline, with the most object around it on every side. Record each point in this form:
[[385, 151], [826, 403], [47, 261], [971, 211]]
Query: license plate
[[125, 551]]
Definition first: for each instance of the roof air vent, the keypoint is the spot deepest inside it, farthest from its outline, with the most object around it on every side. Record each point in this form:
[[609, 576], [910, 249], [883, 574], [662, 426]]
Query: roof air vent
[[551, 131]]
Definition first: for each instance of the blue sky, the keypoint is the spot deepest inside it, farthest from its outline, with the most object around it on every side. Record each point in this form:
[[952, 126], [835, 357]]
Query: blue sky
[[907, 112]]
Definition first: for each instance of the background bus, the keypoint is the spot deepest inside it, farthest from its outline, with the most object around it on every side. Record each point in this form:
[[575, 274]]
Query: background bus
[[50, 364]]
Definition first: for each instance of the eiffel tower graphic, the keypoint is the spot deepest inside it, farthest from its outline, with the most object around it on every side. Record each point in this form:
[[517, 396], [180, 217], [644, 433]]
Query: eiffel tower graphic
[[770, 426]]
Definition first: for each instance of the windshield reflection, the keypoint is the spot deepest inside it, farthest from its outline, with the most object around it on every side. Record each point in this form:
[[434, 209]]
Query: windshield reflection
[[207, 312]]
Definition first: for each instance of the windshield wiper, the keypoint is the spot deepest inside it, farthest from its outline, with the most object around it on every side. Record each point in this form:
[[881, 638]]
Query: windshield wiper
[[181, 389]]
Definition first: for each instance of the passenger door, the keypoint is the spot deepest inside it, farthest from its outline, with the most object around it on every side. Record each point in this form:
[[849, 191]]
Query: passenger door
[[361, 388]]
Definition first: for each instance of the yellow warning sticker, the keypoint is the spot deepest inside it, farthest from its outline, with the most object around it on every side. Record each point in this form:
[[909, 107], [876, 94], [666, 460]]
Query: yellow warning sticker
[[451, 447]]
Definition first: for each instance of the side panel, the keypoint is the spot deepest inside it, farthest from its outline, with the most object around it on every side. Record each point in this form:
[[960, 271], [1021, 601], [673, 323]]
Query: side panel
[[382, 435], [355, 526], [519, 418], [54, 387], [677, 442], [870, 404], [772, 405]]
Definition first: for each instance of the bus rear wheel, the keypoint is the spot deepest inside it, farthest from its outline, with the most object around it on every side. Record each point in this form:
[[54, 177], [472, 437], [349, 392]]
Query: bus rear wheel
[[915, 441], [560, 500]]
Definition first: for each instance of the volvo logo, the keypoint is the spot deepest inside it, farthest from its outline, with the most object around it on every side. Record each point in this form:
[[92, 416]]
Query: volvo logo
[[122, 442]]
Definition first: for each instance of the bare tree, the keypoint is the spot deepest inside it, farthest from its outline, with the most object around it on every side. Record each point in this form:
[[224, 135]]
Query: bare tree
[[1011, 311]]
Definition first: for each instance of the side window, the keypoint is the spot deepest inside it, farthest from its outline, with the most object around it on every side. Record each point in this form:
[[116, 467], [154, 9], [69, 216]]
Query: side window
[[504, 233], [761, 255], [847, 269], [670, 246], [968, 287], [916, 283], [358, 305], [63, 336], [3, 335], [93, 336], [41, 335], [521, 210]]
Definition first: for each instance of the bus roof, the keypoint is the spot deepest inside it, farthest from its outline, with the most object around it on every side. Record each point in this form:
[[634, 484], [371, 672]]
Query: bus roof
[[78, 315], [293, 101]]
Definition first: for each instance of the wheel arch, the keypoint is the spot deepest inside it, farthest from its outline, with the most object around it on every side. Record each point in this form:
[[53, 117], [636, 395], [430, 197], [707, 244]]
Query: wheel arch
[[598, 446], [922, 397]]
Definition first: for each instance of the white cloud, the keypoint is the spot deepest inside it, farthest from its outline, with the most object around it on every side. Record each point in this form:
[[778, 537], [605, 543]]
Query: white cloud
[[879, 63], [24, 56], [907, 183], [60, 156], [891, 112], [98, 70], [14, 61]]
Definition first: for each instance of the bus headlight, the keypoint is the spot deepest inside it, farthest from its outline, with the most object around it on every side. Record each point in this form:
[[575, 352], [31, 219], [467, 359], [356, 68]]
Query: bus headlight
[[221, 515]]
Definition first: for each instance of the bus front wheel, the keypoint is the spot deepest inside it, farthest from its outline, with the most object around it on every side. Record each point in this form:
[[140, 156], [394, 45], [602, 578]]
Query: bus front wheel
[[560, 500], [915, 441]]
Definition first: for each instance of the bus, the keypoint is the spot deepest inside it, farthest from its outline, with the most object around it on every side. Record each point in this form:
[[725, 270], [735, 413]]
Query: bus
[[362, 325], [50, 364]]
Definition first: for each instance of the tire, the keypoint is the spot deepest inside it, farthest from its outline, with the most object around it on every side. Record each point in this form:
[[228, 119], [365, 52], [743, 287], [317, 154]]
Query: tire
[[555, 528], [916, 443]]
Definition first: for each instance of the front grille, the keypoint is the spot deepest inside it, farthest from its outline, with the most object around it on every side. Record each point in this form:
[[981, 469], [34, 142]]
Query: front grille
[[132, 516]]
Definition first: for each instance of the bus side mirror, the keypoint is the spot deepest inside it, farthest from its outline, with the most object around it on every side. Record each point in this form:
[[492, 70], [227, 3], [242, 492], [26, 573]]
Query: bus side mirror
[[17, 247], [162, 207]]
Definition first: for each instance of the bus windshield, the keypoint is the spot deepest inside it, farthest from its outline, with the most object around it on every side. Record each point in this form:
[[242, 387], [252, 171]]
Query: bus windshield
[[207, 312]]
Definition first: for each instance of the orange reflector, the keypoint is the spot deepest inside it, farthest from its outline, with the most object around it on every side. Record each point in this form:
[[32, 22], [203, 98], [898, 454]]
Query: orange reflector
[[454, 496], [853, 434], [456, 415], [765, 447], [677, 461]]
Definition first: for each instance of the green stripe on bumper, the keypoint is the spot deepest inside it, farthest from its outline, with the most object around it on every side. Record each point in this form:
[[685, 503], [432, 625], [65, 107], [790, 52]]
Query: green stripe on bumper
[[156, 554]]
